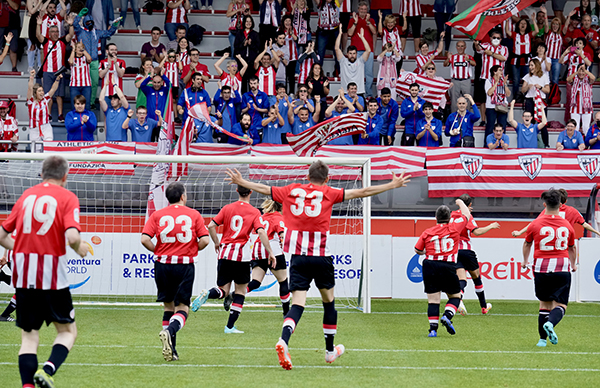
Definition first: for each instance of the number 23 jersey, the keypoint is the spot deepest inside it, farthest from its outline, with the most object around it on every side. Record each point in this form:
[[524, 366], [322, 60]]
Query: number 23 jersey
[[307, 215]]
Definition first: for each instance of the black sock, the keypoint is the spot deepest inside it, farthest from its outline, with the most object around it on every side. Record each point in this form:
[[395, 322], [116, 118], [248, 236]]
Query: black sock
[[542, 318], [433, 313], [216, 293], [4, 277], [556, 315], [291, 321], [284, 295], [253, 285], [463, 285], [177, 322], [57, 357], [479, 291], [329, 324], [235, 310], [12, 306], [451, 307], [166, 318], [28, 364]]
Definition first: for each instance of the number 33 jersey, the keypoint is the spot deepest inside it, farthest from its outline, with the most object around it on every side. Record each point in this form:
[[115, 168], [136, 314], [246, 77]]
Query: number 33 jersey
[[551, 236], [177, 229], [239, 219], [440, 242], [307, 216]]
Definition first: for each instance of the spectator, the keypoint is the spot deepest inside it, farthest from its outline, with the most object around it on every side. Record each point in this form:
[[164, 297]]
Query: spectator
[[303, 101], [51, 18], [195, 67], [357, 101], [34, 59], [522, 49], [143, 128], [571, 30], [570, 139], [247, 44], [270, 20], [283, 104], [54, 48], [146, 70], [388, 110], [283, 53], [135, 8], [180, 32], [80, 122], [111, 70], [8, 38], [81, 82], [246, 129], [425, 57], [226, 102], [39, 112], [176, 15], [462, 72], [171, 67], [154, 49], [429, 129], [328, 30], [590, 34], [10, 24], [233, 77], [353, 66], [497, 93], [115, 115], [266, 69], [292, 50], [459, 125], [340, 106], [255, 103], [541, 20], [412, 112], [497, 139], [412, 10], [103, 14], [157, 96], [379, 9], [210, 8], [545, 62], [388, 75], [193, 95], [554, 43], [236, 10], [584, 9], [301, 120], [582, 97], [273, 126], [204, 131], [362, 24], [573, 57], [534, 80], [305, 63], [301, 22], [318, 85], [443, 11], [374, 125], [183, 50], [592, 138], [390, 34], [8, 128], [527, 132], [431, 73]]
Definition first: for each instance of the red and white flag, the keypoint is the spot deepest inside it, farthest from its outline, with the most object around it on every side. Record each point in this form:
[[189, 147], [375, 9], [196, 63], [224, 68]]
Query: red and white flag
[[432, 90], [511, 173], [540, 104], [94, 147], [308, 142]]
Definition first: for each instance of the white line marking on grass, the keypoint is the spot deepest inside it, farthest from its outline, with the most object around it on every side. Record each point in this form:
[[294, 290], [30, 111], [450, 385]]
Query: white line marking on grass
[[381, 367]]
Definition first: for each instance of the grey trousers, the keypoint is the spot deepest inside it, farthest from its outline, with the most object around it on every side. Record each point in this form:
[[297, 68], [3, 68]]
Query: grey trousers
[[460, 88]]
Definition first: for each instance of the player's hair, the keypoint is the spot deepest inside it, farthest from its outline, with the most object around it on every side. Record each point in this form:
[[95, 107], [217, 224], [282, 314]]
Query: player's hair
[[174, 192], [427, 105], [414, 85], [141, 107], [270, 206], [385, 91], [563, 195], [155, 28], [55, 167], [225, 87], [318, 172], [466, 198], [243, 191], [442, 214], [79, 99], [551, 199]]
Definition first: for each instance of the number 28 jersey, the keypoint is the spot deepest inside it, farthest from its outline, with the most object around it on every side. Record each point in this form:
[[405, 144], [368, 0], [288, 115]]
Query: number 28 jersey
[[177, 229], [307, 215], [551, 236], [440, 242], [238, 220]]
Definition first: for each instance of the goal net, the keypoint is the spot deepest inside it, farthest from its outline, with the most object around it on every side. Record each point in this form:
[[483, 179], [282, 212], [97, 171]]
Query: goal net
[[113, 193]]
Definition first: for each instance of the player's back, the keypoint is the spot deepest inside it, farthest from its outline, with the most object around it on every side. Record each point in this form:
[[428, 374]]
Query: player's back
[[551, 236], [569, 213], [440, 242], [465, 234], [274, 227], [238, 220]]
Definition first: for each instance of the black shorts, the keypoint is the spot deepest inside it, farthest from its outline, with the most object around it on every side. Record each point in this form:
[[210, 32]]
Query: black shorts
[[552, 286], [303, 269], [34, 307], [233, 271], [264, 263], [480, 95], [345, 20], [467, 259], [413, 25], [440, 276], [175, 91], [174, 282]]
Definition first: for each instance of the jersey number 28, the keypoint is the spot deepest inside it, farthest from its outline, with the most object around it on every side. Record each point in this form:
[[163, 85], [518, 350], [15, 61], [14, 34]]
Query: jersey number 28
[[562, 238]]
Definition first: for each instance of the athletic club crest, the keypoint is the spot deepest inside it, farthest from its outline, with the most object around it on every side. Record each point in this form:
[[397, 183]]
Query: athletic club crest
[[531, 165], [589, 164], [472, 164]]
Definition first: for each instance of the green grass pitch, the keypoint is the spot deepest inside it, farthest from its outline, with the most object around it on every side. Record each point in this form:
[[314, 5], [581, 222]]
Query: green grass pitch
[[119, 347]]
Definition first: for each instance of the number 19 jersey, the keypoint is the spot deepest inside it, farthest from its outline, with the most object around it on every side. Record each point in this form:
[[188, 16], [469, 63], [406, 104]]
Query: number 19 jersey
[[551, 236], [440, 242], [238, 220], [307, 215]]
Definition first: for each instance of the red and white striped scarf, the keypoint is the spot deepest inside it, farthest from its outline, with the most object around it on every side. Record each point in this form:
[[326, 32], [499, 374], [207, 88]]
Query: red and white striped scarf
[[583, 87], [499, 96], [539, 106]]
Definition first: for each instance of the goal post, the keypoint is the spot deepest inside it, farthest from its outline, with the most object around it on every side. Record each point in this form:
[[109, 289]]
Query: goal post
[[113, 207]]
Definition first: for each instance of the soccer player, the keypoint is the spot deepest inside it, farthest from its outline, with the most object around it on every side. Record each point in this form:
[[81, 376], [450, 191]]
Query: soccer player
[[180, 233], [12, 305], [554, 257], [467, 259], [439, 244], [44, 217], [239, 219], [307, 215]]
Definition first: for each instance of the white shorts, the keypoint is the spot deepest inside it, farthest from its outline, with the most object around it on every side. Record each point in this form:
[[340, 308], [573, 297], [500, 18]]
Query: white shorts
[[43, 133]]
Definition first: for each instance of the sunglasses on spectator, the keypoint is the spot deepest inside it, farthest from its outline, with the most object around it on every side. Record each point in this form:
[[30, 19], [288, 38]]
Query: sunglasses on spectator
[[303, 91], [171, 56], [431, 68]]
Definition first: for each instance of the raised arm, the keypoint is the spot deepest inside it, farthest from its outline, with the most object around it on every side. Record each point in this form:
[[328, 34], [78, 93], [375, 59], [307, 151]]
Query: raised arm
[[396, 182], [367, 52], [244, 65], [102, 98], [234, 177], [54, 87], [338, 52], [511, 115], [485, 229], [217, 64]]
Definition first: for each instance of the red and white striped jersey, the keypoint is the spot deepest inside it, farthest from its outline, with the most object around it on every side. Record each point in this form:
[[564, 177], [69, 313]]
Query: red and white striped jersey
[[176, 15], [239, 219], [440, 242], [392, 37], [274, 227], [38, 111], [184, 58], [56, 58], [266, 80], [8, 128], [234, 82], [572, 60], [305, 67], [461, 66], [554, 43], [521, 46], [489, 61], [345, 5], [80, 72], [172, 73], [465, 235], [48, 22], [111, 76], [551, 236], [421, 60], [41, 217], [582, 96], [292, 47], [307, 216], [413, 7], [177, 230]]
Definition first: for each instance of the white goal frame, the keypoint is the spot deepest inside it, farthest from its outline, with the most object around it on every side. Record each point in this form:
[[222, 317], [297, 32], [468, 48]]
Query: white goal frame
[[363, 163]]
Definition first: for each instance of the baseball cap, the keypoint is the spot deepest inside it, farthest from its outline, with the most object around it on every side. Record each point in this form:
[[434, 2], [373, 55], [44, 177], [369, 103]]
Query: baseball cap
[[3, 104]]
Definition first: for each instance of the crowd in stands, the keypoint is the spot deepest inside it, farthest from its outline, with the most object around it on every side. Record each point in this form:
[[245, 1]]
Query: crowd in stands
[[271, 79]]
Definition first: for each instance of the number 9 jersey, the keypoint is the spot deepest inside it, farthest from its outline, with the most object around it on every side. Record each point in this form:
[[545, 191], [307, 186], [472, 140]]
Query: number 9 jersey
[[551, 236], [239, 219]]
